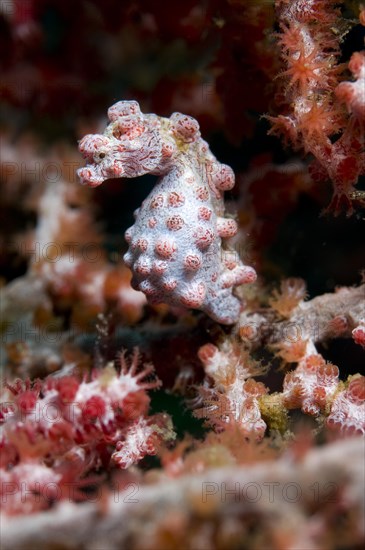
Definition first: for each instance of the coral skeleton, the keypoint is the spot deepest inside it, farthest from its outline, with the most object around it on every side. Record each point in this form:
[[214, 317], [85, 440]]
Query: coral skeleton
[[178, 248]]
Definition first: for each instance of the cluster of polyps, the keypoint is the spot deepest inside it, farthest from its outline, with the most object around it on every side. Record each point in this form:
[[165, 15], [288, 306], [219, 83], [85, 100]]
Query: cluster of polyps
[[234, 399], [101, 410], [314, 118], [315, 388], [47, 424], [311, 385], [177, 248], [348, 409]]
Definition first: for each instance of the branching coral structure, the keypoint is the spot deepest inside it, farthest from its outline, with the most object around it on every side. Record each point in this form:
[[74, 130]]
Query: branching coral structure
[[314, 119], [178, 248], [293, 328], [254, 437]]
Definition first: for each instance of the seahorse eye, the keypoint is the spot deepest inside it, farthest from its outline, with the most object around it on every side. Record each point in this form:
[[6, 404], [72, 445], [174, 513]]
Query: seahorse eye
[[102, 155]]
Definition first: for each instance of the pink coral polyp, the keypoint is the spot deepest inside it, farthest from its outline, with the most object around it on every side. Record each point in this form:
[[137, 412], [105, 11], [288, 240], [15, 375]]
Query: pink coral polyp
[[347, 415]]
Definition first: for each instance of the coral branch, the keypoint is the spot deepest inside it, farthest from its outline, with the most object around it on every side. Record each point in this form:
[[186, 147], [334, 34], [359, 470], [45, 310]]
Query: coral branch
[[231, 396], [322, 318], [315, 120], [275, 504]]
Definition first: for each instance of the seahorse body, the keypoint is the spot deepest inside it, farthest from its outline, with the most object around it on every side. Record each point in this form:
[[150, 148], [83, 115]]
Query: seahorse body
[[178, 249]]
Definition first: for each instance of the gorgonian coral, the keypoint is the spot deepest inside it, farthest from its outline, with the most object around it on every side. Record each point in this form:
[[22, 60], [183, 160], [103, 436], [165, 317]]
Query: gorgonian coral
[[58, 430], [313, 118]]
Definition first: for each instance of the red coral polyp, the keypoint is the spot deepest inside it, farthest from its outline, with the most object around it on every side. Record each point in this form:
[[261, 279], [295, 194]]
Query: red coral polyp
[[94, 408], [26, 401], [67, 388], [305, 70], [347, 415], [356, 390]]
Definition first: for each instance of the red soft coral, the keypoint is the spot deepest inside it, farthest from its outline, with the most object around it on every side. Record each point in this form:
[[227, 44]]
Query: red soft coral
[[306, 69], [47, 422], [314, 118]]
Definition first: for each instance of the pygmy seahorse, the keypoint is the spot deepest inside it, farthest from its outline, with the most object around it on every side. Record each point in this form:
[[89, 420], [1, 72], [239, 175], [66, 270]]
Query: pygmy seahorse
[[178, 249]]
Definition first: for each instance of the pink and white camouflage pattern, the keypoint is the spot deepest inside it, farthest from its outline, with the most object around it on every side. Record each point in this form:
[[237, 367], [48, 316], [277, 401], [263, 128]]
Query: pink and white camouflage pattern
[[178, 248]]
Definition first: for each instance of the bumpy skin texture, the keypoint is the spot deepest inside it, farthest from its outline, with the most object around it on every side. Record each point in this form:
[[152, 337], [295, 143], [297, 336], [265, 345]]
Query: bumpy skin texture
[[177, 247]]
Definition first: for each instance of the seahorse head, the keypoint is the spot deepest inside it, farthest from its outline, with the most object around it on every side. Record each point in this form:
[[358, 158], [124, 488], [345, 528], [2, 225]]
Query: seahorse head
[[131, 146]]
